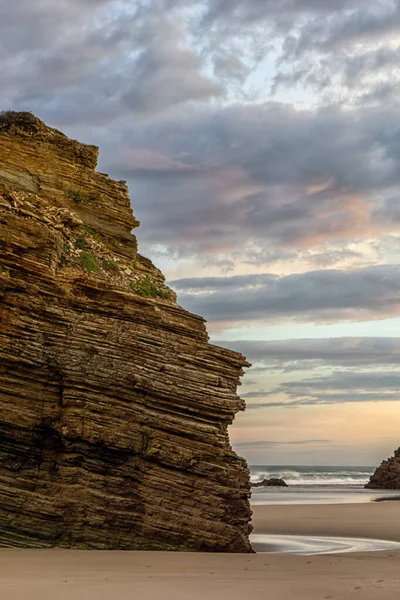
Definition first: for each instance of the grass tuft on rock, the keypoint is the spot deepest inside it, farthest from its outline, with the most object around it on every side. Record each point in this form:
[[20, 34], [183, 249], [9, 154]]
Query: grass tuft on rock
[[90, 231], [80, 243], [148, 289], [111, 266], [79, 198], [90, 262]]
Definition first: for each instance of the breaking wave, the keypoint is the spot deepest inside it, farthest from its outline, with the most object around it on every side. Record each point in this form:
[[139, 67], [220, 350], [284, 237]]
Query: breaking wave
[[313, 476]]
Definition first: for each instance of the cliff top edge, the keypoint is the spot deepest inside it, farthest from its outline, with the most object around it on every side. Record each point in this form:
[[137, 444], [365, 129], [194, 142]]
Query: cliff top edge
[[27, 125]]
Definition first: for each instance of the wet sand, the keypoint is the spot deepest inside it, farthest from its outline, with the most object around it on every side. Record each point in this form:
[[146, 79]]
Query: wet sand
[[103, 575], [311, 545], [377, 520]]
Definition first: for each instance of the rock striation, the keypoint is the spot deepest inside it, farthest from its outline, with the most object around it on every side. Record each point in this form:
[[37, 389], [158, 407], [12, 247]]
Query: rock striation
[[114, 407], [387, 475]]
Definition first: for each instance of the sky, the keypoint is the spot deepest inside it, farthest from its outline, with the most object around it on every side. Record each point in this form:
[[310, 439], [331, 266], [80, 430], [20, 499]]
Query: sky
[[261, 143]]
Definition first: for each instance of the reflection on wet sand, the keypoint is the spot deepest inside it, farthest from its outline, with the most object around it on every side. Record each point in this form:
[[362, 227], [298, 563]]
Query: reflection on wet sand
[[308, 545]]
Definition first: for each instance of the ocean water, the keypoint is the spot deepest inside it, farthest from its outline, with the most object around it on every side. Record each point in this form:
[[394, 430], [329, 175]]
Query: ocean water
[[316, 485], [311, 475]]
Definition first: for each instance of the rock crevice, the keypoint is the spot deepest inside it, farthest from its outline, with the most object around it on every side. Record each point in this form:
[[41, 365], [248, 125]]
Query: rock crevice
[[114, 406]]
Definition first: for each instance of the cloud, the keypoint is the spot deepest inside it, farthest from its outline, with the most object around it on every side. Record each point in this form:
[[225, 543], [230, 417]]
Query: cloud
[[341, 387], [327, 45], [146, 57], [233, 13], [98, 59], [343, 380], [365, 370], [257, 178], [229, 65], [305, 354], [325, 295], [167, 72], [264, 178]]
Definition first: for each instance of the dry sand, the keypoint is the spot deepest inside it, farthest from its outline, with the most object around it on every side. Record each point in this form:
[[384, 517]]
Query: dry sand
[[84, 575]]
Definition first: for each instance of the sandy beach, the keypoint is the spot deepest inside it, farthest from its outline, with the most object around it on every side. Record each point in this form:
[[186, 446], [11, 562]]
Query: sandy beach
[[377, 520], [103, 575]]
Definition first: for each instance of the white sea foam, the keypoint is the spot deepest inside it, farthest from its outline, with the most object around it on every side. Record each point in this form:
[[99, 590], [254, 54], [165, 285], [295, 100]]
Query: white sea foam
[[315, 485], [309, 545], [314, 476]]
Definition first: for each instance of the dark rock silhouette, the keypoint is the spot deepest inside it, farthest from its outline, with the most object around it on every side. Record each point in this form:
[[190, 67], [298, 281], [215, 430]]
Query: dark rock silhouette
[[387, 475], [272, 482]]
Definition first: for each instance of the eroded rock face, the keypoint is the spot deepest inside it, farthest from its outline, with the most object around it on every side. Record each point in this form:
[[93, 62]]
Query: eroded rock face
[[387, 475], [114, 407]]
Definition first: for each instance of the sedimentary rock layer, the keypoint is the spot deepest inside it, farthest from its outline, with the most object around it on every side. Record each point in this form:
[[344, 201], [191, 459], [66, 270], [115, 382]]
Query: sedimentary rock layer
[[114, 407], [387, 475]]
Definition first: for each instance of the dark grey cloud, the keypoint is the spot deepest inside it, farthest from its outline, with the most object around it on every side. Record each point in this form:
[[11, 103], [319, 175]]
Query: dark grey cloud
[[326, 295], [337, 388], [357, 67], [364, 370], [255, 11], [158, 54], [262, 177], [56, 55], [354, 51], [229, 65], [305, 354], [167, 72], [361, 23], [325, 42], [386, 381], [253, 178], [97, 59]]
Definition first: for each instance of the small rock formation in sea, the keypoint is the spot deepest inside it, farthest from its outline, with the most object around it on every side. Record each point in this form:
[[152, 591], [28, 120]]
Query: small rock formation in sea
[[272, 482], [387, 475], [114, 407]]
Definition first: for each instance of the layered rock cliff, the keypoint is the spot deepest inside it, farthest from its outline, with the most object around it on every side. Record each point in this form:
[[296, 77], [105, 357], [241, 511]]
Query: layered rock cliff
[[114, 407], [387, 475]]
